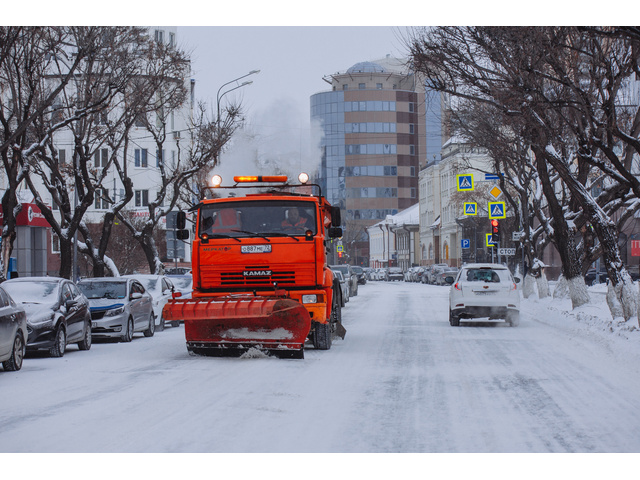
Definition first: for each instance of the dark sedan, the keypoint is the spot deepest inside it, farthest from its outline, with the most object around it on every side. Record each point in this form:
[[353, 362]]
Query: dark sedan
[[13, 332], [57, 313]]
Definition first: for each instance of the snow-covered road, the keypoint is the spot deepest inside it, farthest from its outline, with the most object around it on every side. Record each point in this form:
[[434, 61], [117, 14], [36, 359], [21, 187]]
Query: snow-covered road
[[403, 380]]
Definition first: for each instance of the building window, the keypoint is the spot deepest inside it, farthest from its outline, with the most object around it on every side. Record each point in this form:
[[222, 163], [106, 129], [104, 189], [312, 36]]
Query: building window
[[142, 198], [141, 119], [140, 155], [102, 199], [101, 157], [412, 128], [412, 149], [159, 34], [379, 86], [345, 87], [55, 243], [172, 39], [361, 86], [62, 157], [412, 107]]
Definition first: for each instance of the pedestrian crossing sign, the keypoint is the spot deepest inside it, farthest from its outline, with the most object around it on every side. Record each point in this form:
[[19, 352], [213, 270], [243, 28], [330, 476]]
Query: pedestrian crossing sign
[[465, 182], [470, 208], [489, 240], [497, 210]]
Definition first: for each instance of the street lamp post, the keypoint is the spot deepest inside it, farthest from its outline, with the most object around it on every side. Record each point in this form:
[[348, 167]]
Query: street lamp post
[[219, 96]]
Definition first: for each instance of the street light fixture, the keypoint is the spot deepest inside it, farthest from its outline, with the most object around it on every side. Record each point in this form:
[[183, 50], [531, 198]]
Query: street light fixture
[[219, 96]]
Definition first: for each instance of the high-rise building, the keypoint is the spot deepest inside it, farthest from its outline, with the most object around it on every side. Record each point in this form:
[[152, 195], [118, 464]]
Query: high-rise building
[[375, 141]]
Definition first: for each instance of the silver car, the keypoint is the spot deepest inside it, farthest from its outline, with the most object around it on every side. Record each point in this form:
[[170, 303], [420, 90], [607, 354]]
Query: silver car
[[119, 307], [13, 332], [161, 289]]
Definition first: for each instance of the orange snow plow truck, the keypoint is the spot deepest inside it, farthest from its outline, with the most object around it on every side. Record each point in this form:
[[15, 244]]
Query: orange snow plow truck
[[260, 275]]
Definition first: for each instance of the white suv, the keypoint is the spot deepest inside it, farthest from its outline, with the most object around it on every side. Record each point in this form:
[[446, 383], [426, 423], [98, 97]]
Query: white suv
[[483, 290]]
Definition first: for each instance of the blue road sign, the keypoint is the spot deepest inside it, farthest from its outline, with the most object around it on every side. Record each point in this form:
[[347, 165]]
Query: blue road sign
[[465, 182], [465, 243], [470, 208], [491, 176], [497, 210]]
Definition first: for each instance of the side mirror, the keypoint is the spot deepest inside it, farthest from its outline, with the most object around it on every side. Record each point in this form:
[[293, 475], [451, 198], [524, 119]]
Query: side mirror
[[69, 304], [449, 280], [335, 232], [135, 296], [516, 279], [335, 216], [181, 220], [182, 234]]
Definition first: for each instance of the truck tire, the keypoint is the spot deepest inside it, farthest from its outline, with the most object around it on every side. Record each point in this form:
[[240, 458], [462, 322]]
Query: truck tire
[[322, 336]]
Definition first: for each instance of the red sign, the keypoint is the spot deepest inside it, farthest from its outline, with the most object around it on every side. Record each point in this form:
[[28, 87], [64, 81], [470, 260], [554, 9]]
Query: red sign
[[635, 248], [30, 215]]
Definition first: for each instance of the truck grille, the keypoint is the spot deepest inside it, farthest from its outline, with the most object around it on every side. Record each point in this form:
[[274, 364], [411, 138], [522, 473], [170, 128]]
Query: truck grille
[[214, 277]]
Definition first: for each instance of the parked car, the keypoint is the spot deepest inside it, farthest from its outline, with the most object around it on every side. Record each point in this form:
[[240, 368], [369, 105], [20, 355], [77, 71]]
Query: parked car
[[591, 279], [447, 272], [483, 290], [13, 332], [362, 278], [119, 307], [350, 276], [57, 313], [344, 287], [435, 270], [395, 273], [182, 284], [160, 287], [426, 273]]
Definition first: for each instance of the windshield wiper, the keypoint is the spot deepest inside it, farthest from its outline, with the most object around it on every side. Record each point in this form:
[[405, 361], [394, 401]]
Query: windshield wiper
[[254, 234], [281, 234], [222, 235]]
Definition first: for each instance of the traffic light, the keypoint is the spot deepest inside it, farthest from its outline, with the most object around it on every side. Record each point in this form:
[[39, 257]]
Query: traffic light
[[495, 231]]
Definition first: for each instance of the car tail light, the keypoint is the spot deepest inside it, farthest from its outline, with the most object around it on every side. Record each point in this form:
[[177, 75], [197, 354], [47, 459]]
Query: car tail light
[[457, 286], [514, 286]]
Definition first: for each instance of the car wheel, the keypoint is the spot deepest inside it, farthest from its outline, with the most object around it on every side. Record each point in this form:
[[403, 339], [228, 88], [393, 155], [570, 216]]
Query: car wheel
[[152, 327], [513, 318], [14, 363], [128, 333], [60, 344], [161, 323], [454, 320], [85, 344], [175, 323]]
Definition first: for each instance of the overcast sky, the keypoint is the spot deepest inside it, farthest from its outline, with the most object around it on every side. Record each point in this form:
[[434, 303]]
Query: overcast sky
[[292, 60]]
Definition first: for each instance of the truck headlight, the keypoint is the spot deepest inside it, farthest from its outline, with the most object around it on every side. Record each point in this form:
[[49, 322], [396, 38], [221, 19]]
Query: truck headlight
[[309, 299]]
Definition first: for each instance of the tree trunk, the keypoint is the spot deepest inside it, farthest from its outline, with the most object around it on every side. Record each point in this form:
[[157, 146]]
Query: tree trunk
[[562, 288]]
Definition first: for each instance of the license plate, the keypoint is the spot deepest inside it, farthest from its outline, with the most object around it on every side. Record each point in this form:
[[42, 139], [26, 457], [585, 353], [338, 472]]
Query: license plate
[[255, 249], [94, 324], [485, 293]]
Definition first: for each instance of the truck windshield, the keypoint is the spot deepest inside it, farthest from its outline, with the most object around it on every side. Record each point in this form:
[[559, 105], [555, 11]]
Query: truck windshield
[[257, 218]]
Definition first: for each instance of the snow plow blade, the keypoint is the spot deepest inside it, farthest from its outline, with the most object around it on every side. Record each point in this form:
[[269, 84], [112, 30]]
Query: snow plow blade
[[231, 326]]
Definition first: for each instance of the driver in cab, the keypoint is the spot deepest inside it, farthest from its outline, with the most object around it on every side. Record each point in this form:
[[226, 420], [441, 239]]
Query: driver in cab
[[294, 220]]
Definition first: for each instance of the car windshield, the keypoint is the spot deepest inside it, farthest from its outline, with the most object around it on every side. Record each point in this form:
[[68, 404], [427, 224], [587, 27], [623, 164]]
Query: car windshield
[[151, 284], [182, 282], [32, 292], [485, 275], [111, 290], [341, 268], [256, 219]]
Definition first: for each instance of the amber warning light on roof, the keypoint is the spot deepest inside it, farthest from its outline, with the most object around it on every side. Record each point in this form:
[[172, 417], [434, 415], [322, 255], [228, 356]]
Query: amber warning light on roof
[[260, 178]]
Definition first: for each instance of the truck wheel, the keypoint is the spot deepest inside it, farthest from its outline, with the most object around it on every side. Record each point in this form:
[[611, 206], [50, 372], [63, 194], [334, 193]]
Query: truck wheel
[[322, 336]]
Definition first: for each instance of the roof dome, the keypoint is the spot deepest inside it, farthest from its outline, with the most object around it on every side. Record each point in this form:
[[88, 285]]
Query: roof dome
[[366, 67]]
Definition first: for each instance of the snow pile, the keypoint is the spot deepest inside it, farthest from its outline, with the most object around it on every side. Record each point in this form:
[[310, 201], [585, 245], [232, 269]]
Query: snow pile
[[593, 319]]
